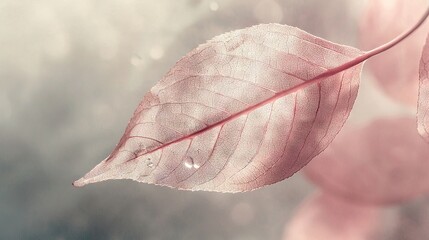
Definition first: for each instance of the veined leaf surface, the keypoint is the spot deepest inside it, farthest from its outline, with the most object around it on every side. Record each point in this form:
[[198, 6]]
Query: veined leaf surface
[[236, 114]]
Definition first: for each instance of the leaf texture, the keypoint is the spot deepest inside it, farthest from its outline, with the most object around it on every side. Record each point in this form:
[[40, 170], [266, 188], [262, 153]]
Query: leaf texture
[[235, 114], [423, 100], [396, 70], [382, 163], [325, 217]]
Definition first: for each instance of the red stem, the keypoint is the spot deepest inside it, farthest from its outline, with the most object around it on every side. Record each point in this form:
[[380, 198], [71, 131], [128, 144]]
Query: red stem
[[372, 52]]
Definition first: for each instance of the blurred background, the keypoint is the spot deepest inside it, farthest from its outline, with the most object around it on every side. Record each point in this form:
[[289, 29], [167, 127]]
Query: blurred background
[[71, 75]]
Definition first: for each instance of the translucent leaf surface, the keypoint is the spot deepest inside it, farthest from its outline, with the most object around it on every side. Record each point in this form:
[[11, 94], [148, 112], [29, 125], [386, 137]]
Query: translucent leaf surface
[[236, 114]]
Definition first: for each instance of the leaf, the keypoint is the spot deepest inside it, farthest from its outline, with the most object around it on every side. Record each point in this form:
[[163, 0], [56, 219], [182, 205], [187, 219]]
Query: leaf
[[237, 113], [325, 217], [396, 70], [382, 163], [423, 99]]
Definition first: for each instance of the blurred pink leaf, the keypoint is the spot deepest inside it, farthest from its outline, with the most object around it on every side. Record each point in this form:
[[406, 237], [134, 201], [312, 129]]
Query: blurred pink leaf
[[397, 69], [423, 102], [236, 113], [384, 162], [324, 217]]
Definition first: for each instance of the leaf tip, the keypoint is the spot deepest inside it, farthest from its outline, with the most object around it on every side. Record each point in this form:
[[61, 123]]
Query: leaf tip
[[79, 183]]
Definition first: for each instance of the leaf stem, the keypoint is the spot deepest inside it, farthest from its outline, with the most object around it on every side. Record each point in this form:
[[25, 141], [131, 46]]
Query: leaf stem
[[372, 52], [398, 39]]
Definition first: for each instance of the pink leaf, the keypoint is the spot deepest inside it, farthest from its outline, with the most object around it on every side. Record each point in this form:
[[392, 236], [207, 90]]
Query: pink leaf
[[395, 70], [384, 162], [236, 113], [423, 102], [324, 217]]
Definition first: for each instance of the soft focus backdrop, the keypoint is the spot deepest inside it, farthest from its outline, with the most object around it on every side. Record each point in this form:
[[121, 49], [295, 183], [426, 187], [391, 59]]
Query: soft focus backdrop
[[71, 74]]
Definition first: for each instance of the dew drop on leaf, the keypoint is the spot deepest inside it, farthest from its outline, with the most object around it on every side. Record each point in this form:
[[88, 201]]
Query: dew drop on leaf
[[188, 165], [189, 162]]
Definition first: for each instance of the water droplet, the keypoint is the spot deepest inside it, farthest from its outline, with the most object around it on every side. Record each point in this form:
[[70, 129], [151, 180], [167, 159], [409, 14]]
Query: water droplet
[[150, 164], [188, 165], [189, 162], [214, 6]]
